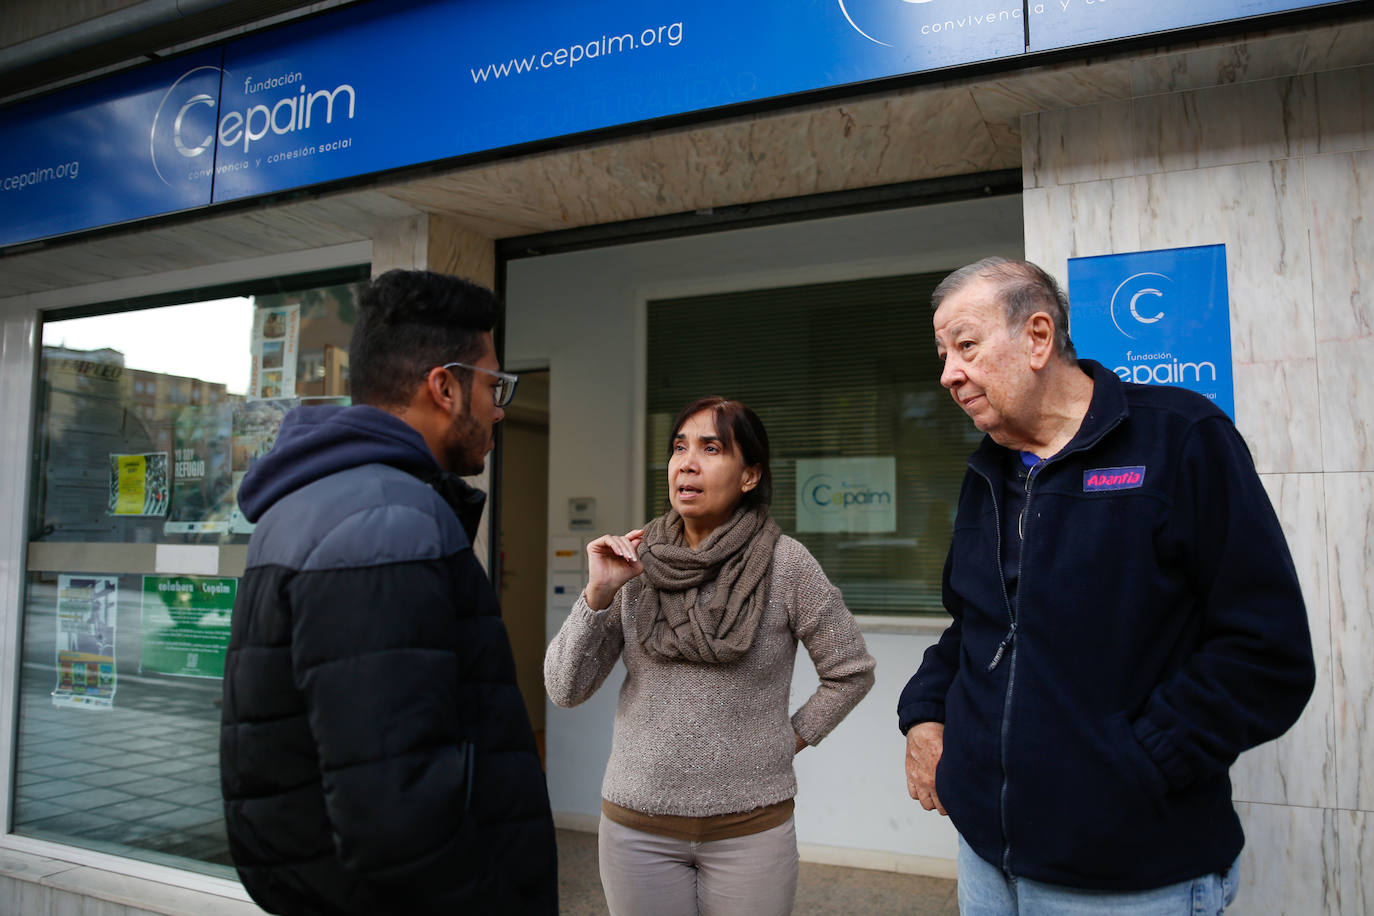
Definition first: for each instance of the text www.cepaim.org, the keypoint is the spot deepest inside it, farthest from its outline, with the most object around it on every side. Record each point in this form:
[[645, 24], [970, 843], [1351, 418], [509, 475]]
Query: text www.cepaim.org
[[40, 176], [570, 56]]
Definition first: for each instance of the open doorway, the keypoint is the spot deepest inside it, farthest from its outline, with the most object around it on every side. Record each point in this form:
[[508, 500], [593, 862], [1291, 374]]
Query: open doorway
[[523, 532]]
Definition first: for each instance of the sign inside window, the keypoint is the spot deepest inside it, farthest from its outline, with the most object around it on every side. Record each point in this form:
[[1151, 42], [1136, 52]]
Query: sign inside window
[[847, 494]]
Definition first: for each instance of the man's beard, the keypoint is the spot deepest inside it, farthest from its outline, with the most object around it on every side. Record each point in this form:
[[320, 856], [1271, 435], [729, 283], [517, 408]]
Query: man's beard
[[467, 449]]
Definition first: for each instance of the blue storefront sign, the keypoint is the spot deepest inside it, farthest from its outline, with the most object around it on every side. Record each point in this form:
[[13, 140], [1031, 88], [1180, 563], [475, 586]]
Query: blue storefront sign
[[1066, 23], [1157, 317], [300, 105], [105, 152], [376, 86]]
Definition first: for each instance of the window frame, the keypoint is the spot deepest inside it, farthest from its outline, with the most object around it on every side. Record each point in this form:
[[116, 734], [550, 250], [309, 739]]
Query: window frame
[[21, 321]]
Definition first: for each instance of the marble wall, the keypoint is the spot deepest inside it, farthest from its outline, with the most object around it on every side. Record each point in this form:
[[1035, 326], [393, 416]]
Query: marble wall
[[1281, 170]]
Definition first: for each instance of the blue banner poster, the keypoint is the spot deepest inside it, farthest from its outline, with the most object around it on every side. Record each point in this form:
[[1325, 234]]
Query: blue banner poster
[[1157, 317]]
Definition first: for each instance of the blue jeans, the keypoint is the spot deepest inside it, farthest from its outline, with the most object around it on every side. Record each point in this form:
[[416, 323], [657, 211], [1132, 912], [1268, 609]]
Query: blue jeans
[[985, 890]]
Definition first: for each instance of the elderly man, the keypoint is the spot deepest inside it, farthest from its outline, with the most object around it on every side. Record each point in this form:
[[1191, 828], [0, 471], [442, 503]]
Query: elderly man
[[1126, 621]]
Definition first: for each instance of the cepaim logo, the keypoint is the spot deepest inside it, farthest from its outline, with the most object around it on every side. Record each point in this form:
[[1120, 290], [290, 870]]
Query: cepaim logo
[[186, 126], [1138, 302], [870, 17], [184, 123], [823, 492]]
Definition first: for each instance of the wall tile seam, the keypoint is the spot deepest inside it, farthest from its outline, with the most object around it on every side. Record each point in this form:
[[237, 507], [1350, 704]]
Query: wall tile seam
[[1333, 809], [1301, 158], [1029, 124], [79, 881], [1349, 472], [1147, 172], [1305, 146], [1326, 545], [1324, 574], [100, 903], [1215, 87], [27, 876], [1333, 595], [1135, 96], [1322, 145]]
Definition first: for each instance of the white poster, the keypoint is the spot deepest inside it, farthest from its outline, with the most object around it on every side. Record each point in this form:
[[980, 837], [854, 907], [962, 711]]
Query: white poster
[[255, 426], [87, 609], [276, 342], [856, 495]]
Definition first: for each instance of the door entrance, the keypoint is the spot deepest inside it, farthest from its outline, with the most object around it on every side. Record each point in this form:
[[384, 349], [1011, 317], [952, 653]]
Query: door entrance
[[523, 532]]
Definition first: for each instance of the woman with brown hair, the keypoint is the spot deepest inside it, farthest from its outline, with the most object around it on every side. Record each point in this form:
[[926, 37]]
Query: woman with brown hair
[[705, 605]]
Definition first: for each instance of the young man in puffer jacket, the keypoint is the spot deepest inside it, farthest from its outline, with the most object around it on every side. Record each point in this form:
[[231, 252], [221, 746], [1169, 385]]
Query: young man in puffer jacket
[[376, 756]]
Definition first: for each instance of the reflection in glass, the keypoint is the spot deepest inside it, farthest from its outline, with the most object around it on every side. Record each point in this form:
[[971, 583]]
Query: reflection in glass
[[867, 450], [146, 422]]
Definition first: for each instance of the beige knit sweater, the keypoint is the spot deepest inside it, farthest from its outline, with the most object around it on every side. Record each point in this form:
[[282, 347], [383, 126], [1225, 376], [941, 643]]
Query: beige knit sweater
[[698, 740]]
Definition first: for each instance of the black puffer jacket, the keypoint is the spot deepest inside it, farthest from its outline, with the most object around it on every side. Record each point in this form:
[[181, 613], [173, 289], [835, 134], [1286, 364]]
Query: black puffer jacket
[[376, 756]]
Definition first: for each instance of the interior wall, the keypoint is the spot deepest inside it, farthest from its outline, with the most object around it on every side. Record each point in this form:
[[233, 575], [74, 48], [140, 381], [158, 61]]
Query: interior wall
[[1278, 170], [582, 315]]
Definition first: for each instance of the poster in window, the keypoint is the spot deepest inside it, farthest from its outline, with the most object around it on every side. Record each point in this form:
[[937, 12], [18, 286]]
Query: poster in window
[[276, 344], [87, 612], [186, 625], [201, 472], [139, 484], [255, 425]]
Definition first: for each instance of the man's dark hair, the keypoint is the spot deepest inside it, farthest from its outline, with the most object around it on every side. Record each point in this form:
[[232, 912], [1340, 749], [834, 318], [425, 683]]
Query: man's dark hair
[[736, 425], [1026, 289], [410, 321]]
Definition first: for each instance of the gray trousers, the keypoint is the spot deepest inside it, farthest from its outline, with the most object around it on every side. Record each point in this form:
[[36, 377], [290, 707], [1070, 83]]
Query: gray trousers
[[644, 873]]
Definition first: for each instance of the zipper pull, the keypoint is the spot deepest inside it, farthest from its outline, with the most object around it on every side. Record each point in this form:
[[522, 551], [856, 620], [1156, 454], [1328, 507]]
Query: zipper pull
[[1002, 647]]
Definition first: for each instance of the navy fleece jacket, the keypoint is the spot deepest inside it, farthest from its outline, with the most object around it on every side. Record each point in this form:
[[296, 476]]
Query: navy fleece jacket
[[1157, 631]]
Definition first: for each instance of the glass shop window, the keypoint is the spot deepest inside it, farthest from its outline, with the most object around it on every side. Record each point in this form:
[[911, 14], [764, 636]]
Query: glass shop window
[[868, 451], [148, 415]]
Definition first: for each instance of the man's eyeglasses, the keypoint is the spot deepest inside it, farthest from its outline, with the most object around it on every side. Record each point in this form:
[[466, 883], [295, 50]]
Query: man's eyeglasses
[[504, 392]]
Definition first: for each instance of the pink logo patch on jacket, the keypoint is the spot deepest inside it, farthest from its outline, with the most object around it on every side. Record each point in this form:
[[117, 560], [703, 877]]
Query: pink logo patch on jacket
[[1113, 479]]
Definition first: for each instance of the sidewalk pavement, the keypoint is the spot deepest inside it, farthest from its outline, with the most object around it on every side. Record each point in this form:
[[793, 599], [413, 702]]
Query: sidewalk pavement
[[822, 890]]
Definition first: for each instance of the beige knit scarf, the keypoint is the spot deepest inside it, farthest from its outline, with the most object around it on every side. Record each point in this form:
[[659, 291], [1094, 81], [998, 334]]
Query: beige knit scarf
[[671, 621]]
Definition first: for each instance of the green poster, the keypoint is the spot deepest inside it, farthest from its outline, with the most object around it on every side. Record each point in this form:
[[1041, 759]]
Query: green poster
[[186, 624]]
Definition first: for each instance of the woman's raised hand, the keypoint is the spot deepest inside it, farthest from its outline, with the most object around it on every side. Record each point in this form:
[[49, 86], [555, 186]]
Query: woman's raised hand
[[612, 560]]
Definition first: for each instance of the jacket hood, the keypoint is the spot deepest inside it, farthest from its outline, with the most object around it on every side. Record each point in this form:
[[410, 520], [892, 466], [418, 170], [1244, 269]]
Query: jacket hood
[[315, 442]]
